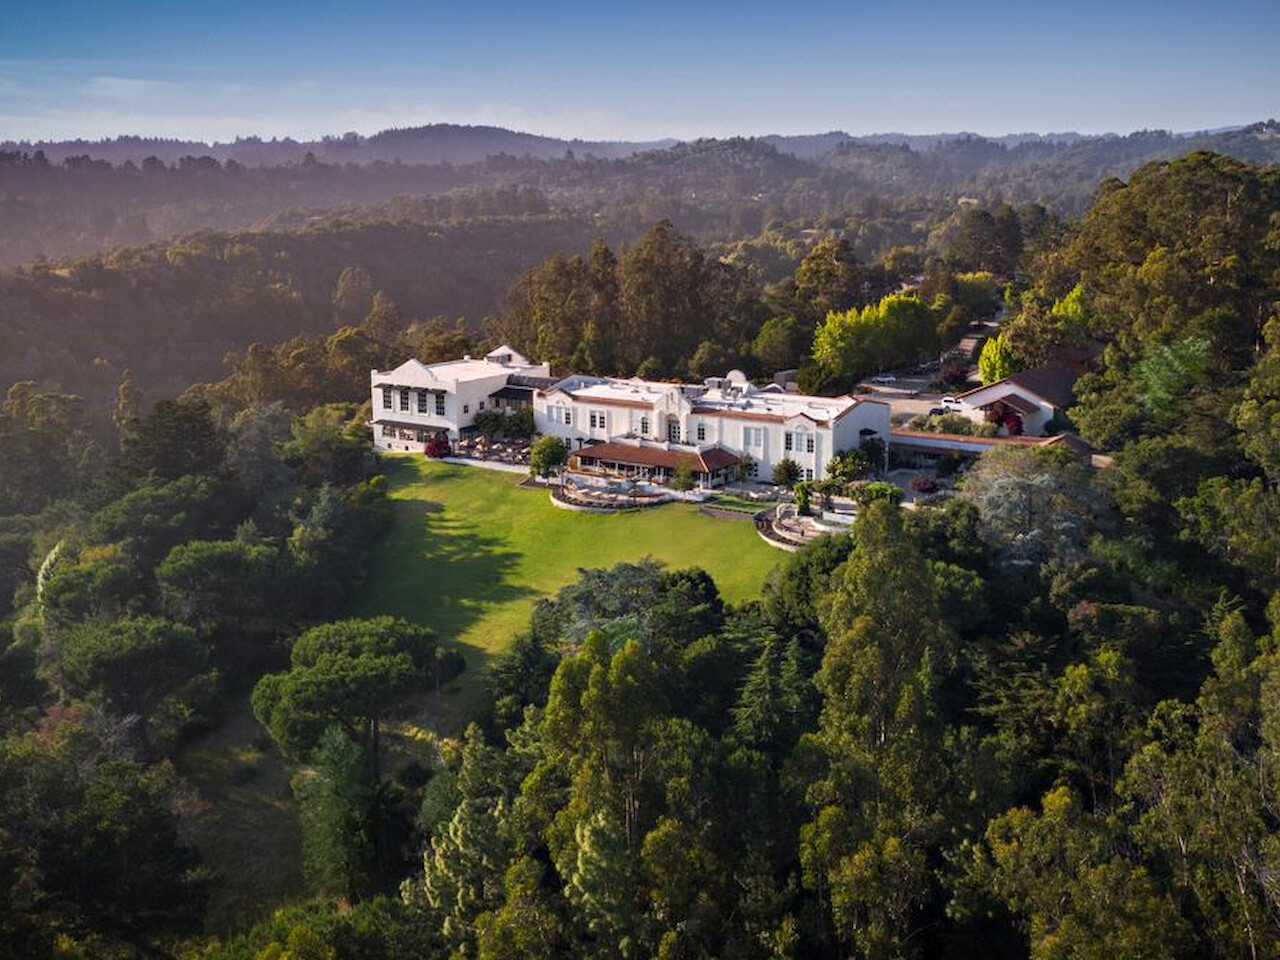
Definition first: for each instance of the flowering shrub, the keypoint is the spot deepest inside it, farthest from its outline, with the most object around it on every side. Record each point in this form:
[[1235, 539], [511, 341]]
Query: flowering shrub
[[437, 446]]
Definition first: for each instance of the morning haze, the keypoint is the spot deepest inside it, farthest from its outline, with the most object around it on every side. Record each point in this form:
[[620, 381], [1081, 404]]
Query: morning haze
[[749, 481]]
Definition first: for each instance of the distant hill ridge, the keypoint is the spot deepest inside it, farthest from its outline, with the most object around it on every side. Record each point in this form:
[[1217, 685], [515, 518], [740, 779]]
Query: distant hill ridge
[[433, 143], [461, 144]]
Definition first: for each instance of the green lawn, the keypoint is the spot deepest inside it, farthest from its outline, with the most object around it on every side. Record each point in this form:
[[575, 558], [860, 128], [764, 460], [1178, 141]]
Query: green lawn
[[471, 551]]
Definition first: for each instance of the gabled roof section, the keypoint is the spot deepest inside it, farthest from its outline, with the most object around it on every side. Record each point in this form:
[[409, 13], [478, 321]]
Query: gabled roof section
[[506, 355], [855, 402], [412, 365], [1053, 383], [1016, 401]]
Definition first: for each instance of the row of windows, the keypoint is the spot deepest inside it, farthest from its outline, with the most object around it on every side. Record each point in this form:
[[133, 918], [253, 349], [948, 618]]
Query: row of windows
[[423, 405], [404, 433], [752, 437], [797, 441]]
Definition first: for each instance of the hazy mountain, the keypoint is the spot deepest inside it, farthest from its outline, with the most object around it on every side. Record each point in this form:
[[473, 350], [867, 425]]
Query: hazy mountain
[[434, 143], [79, 197]]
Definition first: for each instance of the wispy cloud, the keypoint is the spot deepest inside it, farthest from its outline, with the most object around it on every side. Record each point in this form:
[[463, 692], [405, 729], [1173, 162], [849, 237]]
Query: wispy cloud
[[127, 88]]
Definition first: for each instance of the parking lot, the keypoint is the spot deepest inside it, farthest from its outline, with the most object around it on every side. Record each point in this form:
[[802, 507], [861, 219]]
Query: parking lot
[[909, 396]]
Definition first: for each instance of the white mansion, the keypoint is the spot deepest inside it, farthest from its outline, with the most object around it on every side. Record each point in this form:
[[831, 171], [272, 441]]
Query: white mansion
[[415, 401], [631, 426]]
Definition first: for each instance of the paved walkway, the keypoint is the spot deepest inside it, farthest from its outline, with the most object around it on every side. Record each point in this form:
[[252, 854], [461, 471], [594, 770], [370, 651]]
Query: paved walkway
[[487, 464]]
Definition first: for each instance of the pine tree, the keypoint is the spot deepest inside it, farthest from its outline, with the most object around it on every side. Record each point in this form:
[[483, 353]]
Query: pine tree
[[463, 868], [879, 803], [333, 809], [127, 410]]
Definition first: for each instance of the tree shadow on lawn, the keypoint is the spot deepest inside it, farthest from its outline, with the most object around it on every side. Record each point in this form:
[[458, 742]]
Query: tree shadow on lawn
[[439, 570]]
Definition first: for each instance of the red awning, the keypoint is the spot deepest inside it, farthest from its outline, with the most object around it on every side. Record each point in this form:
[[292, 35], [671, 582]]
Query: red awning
[[706, 461]]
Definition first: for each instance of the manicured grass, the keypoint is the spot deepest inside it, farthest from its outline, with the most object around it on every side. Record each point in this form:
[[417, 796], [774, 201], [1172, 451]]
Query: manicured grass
[[471, 551]]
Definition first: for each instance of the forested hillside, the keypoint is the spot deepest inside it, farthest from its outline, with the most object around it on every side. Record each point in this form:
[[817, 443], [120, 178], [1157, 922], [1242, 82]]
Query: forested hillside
[[171, 312], [59, 200]]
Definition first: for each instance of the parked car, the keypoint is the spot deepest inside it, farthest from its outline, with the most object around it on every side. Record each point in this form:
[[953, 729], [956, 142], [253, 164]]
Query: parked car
[[937, 411], [884, 378], [951, 403]]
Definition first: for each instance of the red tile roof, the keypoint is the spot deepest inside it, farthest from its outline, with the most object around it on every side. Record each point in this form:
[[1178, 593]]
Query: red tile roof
[[707, 461]]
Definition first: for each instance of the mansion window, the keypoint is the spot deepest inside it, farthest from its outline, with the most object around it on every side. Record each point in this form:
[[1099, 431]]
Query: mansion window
[[808, 443], [702, 431], [386, 398], [562, 415], [644, 426], [388, 431], [404, 399], [481, 407], [787, 441], [466, 408], [439, 404], [422, 401], [753, 436], [596, 419], [808, 473]]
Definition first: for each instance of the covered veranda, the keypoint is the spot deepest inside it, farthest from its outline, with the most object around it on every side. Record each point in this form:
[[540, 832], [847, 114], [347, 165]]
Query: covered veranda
[[713, 467]]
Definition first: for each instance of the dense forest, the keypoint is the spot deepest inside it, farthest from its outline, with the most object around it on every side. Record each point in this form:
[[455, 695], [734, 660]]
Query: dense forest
[[79, 198], [1035, 719], [171, 314]]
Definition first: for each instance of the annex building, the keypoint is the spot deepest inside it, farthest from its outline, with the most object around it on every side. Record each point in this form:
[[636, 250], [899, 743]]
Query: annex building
[[1026, 402], [416, 400]]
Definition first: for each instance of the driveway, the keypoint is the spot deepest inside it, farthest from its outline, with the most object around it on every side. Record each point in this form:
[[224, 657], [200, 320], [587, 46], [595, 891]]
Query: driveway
[[909, 397]]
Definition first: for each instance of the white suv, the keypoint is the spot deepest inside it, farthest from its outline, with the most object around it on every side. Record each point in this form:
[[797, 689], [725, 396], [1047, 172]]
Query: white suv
[[951, 403]]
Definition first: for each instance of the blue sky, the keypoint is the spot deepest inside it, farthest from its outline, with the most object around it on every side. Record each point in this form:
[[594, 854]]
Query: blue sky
[[636, 70]]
